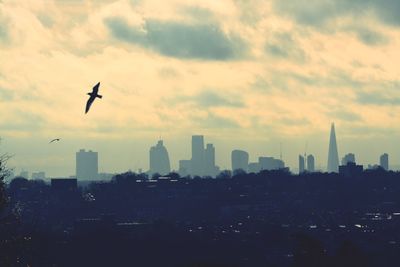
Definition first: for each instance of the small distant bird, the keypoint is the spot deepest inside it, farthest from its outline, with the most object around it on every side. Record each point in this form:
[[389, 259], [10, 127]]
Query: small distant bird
[[93, 96], [54, 140]]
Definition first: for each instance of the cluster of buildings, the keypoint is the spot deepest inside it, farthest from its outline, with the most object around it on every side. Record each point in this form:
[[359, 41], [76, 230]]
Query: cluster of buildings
[[348, 165], [240, 162], [202, 162]]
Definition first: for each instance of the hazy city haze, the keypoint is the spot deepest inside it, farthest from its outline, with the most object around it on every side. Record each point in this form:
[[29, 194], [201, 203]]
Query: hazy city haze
[[248, 75]]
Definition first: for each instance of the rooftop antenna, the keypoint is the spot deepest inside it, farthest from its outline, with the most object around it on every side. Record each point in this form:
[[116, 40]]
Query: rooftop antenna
[[305, 150], [280, 149], [305, 153]]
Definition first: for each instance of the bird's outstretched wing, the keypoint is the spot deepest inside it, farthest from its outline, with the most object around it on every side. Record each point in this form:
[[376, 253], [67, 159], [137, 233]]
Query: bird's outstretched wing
[[89, 103], [96, 88], [57, 139]]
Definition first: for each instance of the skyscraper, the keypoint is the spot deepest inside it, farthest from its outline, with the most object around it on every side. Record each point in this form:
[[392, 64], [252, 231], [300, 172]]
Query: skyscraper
[[384, 161], [333, 157], [240, 160], [270, 163], [197, 155], [310, 163], [159, 159], [301, 164], [87, 166], [209, 161], [350, 157]]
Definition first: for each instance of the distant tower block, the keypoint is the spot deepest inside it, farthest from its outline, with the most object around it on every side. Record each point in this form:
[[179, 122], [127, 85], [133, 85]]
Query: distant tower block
[[159, 159], [301, 164], [310, 163], [198, 152], [384, 161], [240, 160], [350, 157], [87, 166], [333, 157], [209, 161]]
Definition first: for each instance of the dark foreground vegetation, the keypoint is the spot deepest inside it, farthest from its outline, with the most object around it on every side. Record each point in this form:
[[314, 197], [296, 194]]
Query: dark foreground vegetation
[[267, 219]]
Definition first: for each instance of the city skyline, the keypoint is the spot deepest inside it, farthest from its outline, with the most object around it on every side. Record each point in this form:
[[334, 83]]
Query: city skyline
[[202, 162], [251, 75]]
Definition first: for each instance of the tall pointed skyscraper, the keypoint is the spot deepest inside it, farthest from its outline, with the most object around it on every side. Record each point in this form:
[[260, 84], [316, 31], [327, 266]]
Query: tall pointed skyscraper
[[333, 157]]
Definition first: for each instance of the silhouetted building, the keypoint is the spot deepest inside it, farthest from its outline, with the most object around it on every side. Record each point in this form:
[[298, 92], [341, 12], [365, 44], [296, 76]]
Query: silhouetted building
[[302, 166], [333, 156], [64, 185], [197, 167], [185, 167], [350, 157], [209, 161], [254, 167], [159, 159], [87, 167], [240, 160], [310, 163], [269, 163], [39, 175], [384, 161], [351, 169]]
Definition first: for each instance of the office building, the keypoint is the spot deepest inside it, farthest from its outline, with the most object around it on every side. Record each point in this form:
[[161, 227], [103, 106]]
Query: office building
[[159, 159], [197, 164], [350, 157], [209, 161], [270, 163], [301, 164], [384, 161], [87, 165], [351, 170], [310, 163], [240, 160]]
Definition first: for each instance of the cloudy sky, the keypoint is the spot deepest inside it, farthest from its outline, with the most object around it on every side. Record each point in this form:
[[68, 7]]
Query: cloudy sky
[[248, 74]]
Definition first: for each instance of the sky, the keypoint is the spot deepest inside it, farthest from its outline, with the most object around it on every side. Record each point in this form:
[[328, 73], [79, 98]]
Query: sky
[[247, 74]]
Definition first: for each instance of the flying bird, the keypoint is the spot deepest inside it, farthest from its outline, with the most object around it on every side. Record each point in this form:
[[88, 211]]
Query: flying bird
[[54, 140], [93, 96]]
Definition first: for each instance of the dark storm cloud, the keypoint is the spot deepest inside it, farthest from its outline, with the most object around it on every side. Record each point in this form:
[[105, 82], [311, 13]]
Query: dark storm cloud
[[204, 41], [318, 12]]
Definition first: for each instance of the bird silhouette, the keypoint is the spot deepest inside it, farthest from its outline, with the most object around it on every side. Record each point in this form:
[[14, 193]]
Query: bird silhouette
[[93, 95], [54, 140]]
